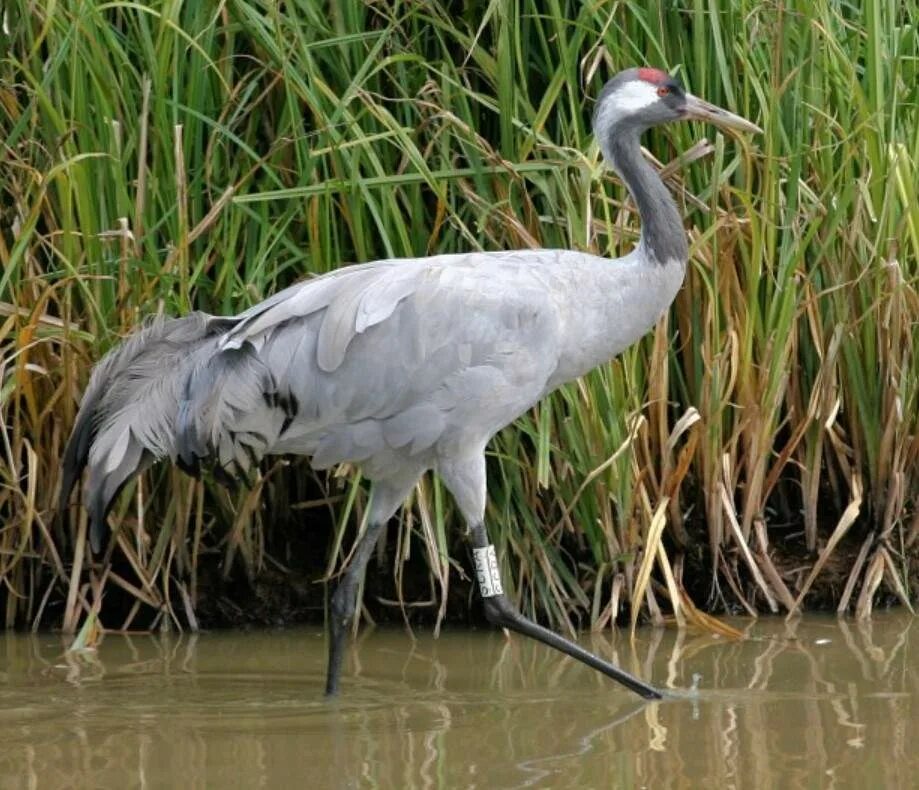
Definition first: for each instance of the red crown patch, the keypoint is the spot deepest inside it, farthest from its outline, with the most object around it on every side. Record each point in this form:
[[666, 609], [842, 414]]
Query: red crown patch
[[654, 76]]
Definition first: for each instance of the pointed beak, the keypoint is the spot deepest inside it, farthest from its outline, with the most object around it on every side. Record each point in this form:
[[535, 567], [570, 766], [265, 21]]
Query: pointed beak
[[697, 109]]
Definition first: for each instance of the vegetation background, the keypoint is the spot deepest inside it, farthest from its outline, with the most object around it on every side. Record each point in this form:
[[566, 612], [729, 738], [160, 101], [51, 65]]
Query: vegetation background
[[758, 451]]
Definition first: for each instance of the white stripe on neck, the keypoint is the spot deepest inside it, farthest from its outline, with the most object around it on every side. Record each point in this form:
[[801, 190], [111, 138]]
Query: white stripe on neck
[[625, 101]]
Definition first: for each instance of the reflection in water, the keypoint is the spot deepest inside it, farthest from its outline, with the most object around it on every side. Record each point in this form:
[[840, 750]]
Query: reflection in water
[[817, 703]]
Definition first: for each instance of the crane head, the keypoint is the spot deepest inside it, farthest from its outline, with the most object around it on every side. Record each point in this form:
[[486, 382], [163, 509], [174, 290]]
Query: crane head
[[639, 98]]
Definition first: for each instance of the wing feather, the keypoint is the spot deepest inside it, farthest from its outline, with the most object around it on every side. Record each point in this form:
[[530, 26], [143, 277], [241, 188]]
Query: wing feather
[[400, 345]]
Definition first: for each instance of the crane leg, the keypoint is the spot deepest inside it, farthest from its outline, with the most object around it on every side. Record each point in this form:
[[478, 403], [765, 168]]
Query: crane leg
[[343, 604], [464, 475], [501, 612], [385, 498]]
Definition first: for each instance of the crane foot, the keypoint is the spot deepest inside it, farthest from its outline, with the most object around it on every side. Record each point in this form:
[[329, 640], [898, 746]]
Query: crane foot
[[502, 613]]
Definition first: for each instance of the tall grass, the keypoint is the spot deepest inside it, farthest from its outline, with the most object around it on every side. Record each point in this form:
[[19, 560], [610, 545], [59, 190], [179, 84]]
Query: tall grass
[[759, 450]]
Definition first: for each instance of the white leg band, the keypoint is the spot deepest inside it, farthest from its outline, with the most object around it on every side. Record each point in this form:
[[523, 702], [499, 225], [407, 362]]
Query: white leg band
[[486, 571]]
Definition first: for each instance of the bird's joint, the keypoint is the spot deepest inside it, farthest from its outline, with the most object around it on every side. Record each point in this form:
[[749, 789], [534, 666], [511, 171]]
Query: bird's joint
[[500, 612]]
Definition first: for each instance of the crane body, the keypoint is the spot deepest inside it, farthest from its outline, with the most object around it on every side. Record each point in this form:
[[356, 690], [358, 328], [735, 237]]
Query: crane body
[[401, 366]]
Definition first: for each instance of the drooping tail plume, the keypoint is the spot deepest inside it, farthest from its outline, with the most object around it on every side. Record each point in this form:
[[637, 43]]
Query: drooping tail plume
[[162, 394]]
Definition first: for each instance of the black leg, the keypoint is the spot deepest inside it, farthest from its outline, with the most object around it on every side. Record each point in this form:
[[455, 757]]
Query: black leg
[[501, 612], [344, 601]]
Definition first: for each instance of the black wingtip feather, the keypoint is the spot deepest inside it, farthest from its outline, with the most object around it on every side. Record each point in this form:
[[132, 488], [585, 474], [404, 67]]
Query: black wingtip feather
[[100, 505], [76, 454], [98, 527], [97, 531]]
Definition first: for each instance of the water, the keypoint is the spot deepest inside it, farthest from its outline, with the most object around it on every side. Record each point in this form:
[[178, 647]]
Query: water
[[820, 703]]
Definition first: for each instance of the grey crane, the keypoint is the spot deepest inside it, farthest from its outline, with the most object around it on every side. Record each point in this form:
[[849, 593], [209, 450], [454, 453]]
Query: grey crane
[[401, 366]]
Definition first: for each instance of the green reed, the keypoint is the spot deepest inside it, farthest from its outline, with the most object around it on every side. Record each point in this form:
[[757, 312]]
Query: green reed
[[760, 449]]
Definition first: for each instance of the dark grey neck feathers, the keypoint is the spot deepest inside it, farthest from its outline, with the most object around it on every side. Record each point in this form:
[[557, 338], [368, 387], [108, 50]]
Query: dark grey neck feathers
[[662, 233]]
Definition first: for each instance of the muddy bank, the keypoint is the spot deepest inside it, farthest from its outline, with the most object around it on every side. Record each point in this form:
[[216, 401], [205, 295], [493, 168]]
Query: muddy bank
[[294, 591]]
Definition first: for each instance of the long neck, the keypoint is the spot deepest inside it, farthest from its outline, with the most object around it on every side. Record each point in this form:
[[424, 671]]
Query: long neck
[[662, 234]]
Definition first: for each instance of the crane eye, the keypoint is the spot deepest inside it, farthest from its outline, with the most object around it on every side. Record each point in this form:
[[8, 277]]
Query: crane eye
[[663, 90]]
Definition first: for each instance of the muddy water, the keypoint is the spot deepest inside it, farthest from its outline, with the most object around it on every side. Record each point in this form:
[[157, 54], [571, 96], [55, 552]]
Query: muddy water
[[819, 703]]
